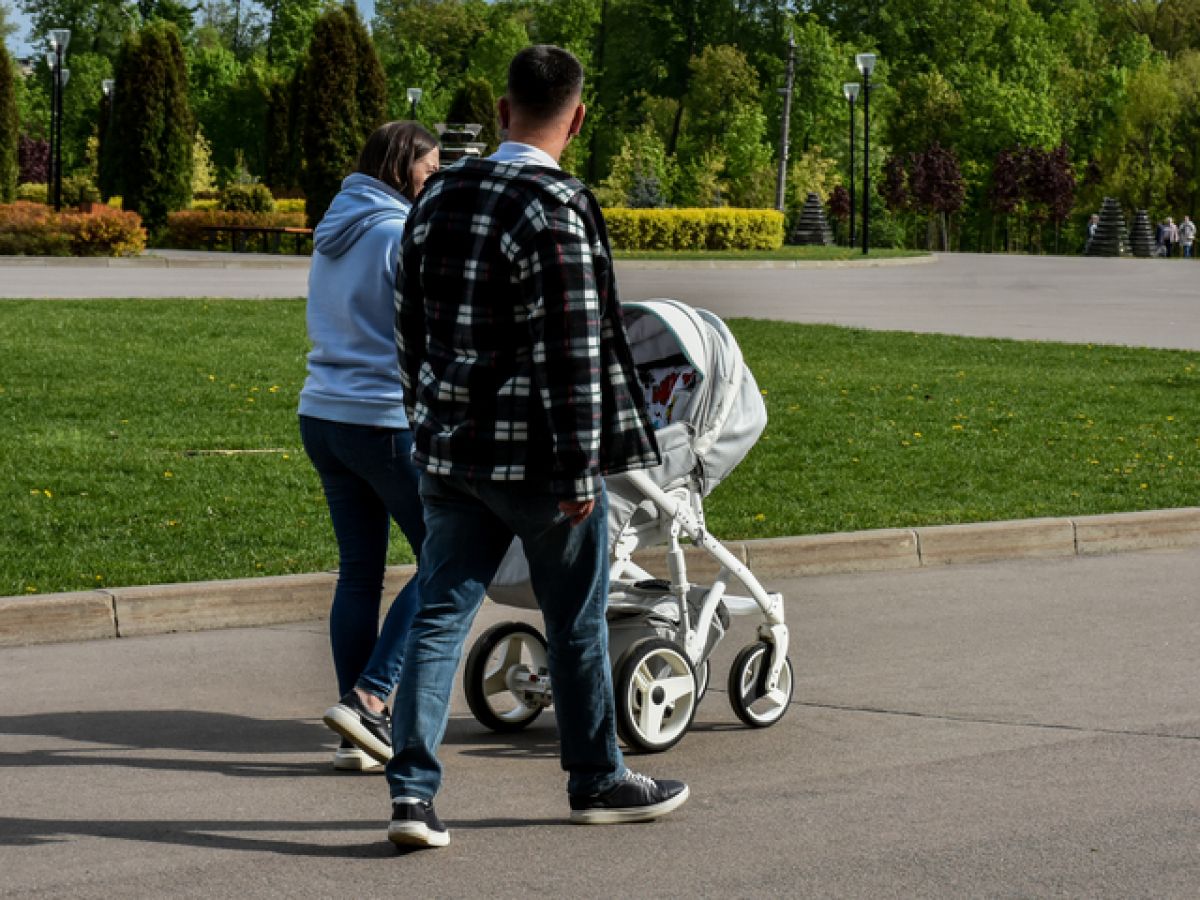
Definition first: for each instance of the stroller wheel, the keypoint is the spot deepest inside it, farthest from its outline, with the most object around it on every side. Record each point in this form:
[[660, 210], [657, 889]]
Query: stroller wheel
[[506, 678], [702, 676], [748, 694], [655, 688]]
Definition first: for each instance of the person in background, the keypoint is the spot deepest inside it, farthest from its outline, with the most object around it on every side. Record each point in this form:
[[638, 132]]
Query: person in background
[[355, 431], [1187, 236], [1170, 237], [519, 381]]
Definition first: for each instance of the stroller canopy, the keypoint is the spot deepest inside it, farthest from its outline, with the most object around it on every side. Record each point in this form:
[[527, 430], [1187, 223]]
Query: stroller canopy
[[725, 408]]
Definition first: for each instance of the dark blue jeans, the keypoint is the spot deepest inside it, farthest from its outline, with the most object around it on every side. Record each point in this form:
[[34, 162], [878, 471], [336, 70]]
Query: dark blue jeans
[[470, 525], [368, 478]]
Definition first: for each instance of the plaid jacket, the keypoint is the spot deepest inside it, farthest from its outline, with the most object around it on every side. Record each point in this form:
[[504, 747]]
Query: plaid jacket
[[513, 357]]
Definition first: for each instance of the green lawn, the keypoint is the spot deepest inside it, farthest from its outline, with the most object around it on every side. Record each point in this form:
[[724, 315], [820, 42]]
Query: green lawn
[[811, 254], [155, 440]]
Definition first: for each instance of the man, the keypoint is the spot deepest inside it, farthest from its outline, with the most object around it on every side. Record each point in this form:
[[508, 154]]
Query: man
[[519, 383], [1187, 236]]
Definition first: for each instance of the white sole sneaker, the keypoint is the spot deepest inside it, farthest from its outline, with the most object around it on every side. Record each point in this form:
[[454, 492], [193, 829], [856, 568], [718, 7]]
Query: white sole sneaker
[[622, 815], [351, 759], [417, 834], [346, 723]]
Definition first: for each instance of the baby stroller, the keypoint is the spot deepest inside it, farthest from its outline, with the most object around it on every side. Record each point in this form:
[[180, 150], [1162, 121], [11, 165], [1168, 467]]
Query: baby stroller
[[709, 412]]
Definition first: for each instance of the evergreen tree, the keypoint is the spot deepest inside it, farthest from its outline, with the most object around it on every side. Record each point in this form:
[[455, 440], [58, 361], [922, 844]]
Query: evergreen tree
[[474, 103], [9, 130], [153, 127], [344, 99]]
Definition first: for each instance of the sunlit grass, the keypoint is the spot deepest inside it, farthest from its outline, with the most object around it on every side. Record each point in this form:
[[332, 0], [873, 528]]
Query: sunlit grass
[[154, 441]]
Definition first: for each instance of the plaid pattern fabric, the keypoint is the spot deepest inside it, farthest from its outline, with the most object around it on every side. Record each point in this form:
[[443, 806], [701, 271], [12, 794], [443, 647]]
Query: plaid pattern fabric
[[514, 361]]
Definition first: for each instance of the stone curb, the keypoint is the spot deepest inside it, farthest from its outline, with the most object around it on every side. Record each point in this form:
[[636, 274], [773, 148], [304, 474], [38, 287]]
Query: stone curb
[[868, 263], [238, 603]]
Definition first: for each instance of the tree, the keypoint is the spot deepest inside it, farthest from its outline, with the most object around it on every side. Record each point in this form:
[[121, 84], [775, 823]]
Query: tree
[[474, 103], [344, 101], [97, 26], [153, 125], [289, 26], [9, 130]]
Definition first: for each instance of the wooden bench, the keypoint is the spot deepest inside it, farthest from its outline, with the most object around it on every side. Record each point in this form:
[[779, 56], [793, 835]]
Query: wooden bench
[[272, 236]]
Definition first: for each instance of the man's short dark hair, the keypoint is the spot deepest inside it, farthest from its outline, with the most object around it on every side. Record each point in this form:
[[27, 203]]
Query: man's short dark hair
[[543, 80]]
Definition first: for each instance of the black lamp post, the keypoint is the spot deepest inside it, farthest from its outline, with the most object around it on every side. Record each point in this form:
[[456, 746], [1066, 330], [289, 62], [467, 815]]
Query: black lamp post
[[785, 124], [59, 38], [866, 65], [108, 108], [850, 89], [414, 97]]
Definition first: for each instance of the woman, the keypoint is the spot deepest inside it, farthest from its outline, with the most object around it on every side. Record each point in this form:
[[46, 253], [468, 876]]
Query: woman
[[354, 429]]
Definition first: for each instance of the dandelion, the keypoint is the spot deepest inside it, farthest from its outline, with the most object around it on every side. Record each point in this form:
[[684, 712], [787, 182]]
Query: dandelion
[[1143, 485], [249, 399], [287, 456], [917, 434], [760, 518], [168, 474], [1170, 418], [212, 377], [956, 427], [47, 493], [31, 588], [274, 389]]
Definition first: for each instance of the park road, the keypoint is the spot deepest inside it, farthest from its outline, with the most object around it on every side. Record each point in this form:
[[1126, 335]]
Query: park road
[[1147, 303]]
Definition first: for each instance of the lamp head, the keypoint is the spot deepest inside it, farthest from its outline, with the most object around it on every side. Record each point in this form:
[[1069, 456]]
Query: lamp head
[[850, 89], [59, 38], [106, 85], [414, 95], [865, 63]]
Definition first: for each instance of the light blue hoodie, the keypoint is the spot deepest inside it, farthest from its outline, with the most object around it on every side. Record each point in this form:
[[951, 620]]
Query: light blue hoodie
[[353, 371]]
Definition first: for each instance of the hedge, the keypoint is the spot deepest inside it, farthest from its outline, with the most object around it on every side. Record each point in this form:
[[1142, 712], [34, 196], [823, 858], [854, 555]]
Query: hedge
[[34, 229], [695, 229], [185, 230]]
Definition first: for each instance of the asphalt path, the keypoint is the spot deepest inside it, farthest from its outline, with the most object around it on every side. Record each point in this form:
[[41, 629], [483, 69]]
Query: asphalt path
[[1149, 303], [1014, 729]]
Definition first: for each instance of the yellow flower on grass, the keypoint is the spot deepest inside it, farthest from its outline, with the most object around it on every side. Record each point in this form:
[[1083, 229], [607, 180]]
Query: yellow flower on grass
[[956, 427], [168, 474], [287, 456], [274, 389], [760, 518]]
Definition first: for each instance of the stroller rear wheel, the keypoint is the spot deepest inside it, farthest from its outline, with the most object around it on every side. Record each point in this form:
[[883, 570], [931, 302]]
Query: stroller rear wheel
[[506, 678], [748, 694], [656, 695]]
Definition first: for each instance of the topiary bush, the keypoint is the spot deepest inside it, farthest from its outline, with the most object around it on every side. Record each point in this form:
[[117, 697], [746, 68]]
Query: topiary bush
[[695, 229], [255, 198], [185, 229]]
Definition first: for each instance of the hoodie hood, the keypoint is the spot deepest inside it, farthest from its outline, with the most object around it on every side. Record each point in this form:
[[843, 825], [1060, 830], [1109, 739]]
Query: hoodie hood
[[361, 204]]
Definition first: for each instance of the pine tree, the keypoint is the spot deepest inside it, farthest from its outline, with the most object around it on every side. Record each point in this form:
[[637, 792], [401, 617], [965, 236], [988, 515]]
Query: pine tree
[[153, 124], [474, 103], [344, 102], [9, 130]]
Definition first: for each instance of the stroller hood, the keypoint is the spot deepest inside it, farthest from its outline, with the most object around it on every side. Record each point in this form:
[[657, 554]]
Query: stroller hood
[[726, 412]]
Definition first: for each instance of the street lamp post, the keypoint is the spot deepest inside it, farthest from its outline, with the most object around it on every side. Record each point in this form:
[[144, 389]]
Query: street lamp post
[[850, 89], [59, 38], [866, 65], [781, 181], [109, 108], [414, 97]]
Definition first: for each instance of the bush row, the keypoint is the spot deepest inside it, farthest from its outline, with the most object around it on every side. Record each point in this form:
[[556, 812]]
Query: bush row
[[34, 229], [695, 229], [185, 229]]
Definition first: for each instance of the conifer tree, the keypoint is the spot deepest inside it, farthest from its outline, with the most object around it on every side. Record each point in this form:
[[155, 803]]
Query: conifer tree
[[152, 135], [9, 130], [474, 103], [344, 101]]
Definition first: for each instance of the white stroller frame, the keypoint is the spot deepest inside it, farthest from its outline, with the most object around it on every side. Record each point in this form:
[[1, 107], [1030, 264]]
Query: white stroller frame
[[661, 633]]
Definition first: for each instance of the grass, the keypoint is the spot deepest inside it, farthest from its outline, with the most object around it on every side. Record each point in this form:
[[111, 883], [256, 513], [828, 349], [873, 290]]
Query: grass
[[151, 441], [787, 252]]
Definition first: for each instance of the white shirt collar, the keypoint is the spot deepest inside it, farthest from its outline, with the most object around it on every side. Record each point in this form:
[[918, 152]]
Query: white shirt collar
[[523, 154]]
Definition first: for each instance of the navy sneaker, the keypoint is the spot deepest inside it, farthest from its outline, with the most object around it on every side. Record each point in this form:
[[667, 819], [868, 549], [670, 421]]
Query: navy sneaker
[[635, 798], [370, 732], [415, 824]]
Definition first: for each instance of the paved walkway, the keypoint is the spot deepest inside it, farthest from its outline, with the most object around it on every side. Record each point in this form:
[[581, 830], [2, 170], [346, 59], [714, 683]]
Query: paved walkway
[[1151, 303], [1011, 729]]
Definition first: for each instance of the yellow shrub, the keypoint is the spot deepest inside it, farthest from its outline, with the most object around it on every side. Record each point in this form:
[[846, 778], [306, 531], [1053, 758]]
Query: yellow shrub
[[290, 205], [695, 229]]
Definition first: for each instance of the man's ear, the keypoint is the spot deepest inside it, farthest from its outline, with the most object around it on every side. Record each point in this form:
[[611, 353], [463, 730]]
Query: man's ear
[[504, 112], [577, 120]]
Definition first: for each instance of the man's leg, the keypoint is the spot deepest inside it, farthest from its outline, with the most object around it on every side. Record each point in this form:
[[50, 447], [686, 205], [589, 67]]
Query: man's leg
[[464, 543]]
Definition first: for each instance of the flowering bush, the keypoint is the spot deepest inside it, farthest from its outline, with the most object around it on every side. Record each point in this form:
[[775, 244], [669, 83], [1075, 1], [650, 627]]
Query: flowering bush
[[33, 229], [33, 158]]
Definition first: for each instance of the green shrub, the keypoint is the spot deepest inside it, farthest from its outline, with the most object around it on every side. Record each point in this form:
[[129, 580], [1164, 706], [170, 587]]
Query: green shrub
[[33, 229], [185, 230], [33, 193], [255, 198], [78, 189], [695, 229]]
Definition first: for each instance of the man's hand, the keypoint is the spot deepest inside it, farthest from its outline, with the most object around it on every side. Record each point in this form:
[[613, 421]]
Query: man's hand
[[576, 510]]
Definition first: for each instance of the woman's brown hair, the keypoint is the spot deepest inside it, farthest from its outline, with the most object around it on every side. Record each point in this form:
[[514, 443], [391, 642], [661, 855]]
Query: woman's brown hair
[[390, 152]]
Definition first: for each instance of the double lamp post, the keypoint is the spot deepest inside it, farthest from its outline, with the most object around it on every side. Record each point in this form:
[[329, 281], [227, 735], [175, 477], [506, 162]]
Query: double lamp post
[[59, 38], [851, 90]]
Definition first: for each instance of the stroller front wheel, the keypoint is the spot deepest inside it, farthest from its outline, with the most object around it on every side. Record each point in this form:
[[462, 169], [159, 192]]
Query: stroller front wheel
[[752, 702], [656, 696], [507, 677]]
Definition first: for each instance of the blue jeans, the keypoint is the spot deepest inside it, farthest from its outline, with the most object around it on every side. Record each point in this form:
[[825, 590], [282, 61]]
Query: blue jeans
[[470, 526], [368, 478]]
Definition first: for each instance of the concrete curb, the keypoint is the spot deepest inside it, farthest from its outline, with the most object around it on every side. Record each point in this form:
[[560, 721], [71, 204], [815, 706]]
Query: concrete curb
[[159, 609], [869, 263]]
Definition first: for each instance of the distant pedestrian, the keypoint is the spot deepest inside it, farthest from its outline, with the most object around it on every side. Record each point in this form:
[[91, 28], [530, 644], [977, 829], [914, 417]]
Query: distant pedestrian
[[355, 431], [1170, 237], [1092, 225], [1187, 236]]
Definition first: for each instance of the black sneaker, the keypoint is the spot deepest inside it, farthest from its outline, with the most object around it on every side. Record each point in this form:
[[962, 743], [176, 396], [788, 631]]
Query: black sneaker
[[415, 824], [635, 798], [370, 732]]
